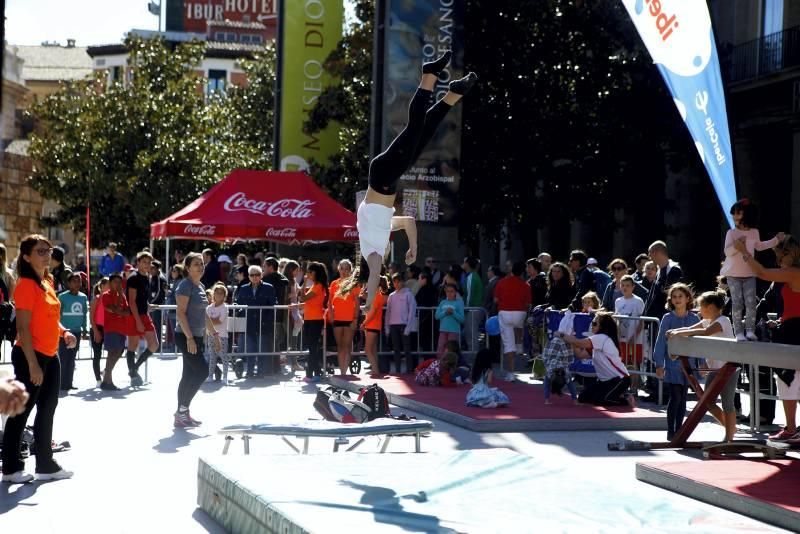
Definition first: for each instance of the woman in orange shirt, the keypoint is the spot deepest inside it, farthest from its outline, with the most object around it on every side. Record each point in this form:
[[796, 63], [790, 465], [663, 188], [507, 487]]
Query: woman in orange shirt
[[344, 313], [35, 360], [373, 326], [315, 299]]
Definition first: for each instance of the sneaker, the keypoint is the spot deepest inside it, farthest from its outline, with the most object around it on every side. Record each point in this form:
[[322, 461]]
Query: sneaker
[[99, 384], [136, 380], [193, 420], [20, 477], [740, 337], [108, 386], [751, 336], [61, 474], [182, 420], [794, 440], [783, 435]]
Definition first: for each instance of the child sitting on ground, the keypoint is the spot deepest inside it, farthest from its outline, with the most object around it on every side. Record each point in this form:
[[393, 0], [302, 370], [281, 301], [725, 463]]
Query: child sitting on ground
[[451, 374], [482, 395], [463, 367]]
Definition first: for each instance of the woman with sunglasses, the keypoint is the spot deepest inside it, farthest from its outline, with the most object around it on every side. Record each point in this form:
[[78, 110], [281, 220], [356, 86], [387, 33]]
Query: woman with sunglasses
[[613, 380], [619, 268], [35, 360]]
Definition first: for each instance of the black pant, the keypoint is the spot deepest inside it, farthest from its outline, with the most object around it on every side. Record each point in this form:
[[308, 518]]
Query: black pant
[[45, 398], [387, 168], [312, 337], [97, 353], [67, 357], [195, 369], [676, 408], [608, 393], [402, 341]]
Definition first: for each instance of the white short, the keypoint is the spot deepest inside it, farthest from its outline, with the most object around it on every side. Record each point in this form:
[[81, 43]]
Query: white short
[[790, 391], [510, 321], [374, 227]]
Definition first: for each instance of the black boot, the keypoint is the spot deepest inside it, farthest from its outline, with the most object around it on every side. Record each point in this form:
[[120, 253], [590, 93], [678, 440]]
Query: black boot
[[436, 67], [463, 86]]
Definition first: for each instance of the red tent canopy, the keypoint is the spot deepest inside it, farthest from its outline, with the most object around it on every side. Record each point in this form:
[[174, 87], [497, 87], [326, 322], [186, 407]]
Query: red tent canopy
[[255, 205]]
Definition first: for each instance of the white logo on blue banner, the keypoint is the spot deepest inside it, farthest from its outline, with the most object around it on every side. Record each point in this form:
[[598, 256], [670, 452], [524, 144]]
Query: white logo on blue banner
[[680, 40]]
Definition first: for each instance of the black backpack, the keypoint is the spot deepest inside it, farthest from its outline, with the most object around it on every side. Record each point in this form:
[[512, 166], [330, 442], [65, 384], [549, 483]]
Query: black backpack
[[375, 397]]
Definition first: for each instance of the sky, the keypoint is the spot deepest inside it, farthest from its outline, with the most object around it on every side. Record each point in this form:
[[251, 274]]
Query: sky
[[89, 22]]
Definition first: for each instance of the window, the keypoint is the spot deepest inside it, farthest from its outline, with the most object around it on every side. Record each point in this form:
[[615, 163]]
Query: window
[[253, 39], [225, 37], [216, 81], [773, 16], [772, 41]]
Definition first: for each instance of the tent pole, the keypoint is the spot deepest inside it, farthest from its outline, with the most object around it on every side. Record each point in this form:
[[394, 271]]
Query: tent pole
[[166, 261]]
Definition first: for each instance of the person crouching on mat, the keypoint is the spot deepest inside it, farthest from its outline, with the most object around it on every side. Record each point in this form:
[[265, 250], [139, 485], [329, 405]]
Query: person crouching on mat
[[376, 219], [613, 379]]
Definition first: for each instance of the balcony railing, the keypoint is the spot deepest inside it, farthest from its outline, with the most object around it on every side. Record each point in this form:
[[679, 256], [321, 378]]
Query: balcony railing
[[761, 57]]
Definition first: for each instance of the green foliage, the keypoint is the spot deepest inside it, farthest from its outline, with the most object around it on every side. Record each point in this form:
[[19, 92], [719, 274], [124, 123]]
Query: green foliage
[[563, 121], [248, 112], [349, 105], [138, 151]]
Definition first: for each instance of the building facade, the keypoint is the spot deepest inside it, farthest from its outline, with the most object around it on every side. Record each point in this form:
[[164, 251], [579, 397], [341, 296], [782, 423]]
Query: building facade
[[759, 43]]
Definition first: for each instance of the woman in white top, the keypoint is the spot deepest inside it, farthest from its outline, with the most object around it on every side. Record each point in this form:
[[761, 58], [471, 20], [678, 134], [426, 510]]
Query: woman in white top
[[613, 380], [714, 324]]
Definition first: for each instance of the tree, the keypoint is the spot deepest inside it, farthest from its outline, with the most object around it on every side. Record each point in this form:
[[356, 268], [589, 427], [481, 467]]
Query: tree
[[248, 111], [349, 105], [137, 150], [562, 123]]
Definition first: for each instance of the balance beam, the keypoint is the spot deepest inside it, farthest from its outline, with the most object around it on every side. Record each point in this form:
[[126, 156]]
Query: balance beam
[[328, 429]]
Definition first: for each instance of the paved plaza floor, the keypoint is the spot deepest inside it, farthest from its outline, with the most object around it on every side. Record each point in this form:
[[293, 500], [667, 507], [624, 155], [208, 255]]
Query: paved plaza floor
[[135, 473]]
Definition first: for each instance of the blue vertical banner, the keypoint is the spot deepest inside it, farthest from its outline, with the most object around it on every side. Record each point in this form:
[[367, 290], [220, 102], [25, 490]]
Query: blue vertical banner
[[680, 40], [417, 31]]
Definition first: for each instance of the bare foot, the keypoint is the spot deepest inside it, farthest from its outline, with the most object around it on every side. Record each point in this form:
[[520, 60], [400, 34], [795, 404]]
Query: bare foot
[[411, 256]]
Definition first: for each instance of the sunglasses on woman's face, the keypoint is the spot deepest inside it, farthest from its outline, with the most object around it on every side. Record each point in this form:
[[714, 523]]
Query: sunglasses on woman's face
[[44, 251], [618, 268]]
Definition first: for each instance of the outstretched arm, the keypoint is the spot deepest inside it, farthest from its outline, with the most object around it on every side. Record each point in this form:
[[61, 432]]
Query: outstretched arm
[[410, 226]]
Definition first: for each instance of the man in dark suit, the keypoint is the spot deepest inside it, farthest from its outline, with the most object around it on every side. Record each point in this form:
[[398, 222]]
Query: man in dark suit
[[669, 272], [584, 278], [258, 337]]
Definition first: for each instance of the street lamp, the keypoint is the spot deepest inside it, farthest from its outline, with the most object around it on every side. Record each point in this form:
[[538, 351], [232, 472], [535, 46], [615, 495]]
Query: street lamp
[[155, 9]]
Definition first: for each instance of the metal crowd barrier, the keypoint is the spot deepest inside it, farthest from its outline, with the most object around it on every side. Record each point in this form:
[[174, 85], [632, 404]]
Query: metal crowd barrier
[[424, 335], [253, 332], [637, 337]]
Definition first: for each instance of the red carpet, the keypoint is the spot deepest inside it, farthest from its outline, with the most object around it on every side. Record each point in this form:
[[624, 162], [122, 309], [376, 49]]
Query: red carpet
[[527, 401], [772, 482]]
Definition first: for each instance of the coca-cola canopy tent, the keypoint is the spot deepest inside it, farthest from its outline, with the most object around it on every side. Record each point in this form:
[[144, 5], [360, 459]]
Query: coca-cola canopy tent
[[261, 205]]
